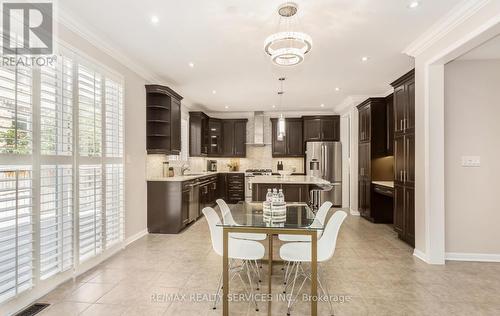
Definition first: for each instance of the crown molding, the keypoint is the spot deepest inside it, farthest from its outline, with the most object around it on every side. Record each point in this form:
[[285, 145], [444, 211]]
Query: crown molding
[[66, 19], [445, 25]]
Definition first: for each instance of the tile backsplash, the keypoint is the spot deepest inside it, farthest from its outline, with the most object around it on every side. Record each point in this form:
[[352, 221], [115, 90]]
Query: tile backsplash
[[257, 157]]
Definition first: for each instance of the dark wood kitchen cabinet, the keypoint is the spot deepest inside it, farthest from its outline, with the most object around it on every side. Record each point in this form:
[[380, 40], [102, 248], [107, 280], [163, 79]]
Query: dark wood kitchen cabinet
[[372, 147], [404, 104], [163, 120], [212, 137], [321, 128], [198, 134], [215, 135], [292, 144], [234, 138], [293, 192], [168, 206], [404, 157]]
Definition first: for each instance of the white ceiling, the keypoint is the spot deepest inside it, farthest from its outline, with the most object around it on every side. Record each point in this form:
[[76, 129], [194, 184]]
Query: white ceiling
[[224, 39], [488, 50]]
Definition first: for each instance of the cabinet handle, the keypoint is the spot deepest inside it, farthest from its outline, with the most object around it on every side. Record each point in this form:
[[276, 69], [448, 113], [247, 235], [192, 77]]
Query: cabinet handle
[[400, 125], [401, 175]]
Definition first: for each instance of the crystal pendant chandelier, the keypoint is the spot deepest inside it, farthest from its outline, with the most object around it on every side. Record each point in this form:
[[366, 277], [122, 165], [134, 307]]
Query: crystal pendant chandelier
[[288, 47], [281, 128]]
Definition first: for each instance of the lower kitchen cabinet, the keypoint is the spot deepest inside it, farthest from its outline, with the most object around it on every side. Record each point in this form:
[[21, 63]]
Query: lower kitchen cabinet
[[292, 192], [404, 213], [168, 206]]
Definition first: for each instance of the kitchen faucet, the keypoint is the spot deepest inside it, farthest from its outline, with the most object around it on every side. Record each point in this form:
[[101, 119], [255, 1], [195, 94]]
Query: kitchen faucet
[[184, 168]]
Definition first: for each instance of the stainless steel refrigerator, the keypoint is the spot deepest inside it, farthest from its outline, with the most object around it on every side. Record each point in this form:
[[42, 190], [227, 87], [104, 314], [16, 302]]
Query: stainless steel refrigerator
[[326, 158]]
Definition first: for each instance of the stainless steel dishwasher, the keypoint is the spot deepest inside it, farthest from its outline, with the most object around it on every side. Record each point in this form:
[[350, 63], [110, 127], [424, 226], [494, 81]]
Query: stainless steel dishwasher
[[194, 200]]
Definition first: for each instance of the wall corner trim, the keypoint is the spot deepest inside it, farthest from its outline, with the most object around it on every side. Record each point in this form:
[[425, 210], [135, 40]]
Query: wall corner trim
[[421, 255], [135, 237], [445, 25], [478, 257], [354, 213]]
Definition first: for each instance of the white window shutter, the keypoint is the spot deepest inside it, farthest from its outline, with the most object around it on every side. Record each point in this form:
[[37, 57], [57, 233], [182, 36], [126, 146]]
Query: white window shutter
[[90, 211], [89, 112], [56, 219], [16, 231]]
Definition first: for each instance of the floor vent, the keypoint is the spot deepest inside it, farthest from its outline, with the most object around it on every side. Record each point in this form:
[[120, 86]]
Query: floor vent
[[33, 309]]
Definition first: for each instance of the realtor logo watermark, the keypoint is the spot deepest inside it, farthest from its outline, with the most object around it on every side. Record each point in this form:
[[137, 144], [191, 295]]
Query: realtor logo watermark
[[28, 33]]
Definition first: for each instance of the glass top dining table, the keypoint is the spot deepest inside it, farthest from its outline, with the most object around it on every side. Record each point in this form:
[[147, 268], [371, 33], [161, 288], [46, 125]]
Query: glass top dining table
[[249, 218], [250, 214]]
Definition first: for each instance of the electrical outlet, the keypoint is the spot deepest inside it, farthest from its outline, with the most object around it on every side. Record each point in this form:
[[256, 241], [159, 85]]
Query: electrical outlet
[[471, 161]]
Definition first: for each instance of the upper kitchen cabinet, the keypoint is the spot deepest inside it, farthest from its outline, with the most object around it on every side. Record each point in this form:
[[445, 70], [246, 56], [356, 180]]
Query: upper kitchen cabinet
[[234, 138], [163, 120], [198, 134], [321, 128], [404, 103], [292, 144], [373, 125], [212, 137], [215, 137]]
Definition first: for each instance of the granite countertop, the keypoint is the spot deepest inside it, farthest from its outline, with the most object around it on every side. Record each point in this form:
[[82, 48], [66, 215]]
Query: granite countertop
[[389, 184], [190, 176], [289, 180]]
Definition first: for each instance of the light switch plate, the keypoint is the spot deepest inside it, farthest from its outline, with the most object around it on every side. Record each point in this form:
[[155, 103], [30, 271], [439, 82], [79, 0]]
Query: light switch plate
[[471, 161]]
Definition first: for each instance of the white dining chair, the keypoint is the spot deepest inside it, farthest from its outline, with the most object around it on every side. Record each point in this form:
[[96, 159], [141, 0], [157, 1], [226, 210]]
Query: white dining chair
[[227, 218], [319, 221], [247, 251], [299, 253]]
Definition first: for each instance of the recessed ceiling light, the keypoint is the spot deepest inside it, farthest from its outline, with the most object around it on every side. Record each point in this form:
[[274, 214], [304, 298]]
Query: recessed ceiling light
[[226, 107], [274, 106], [155, 19], [214, 92], [413, 4], [364, 58], [322, 105], [337, 89], [191, 65]]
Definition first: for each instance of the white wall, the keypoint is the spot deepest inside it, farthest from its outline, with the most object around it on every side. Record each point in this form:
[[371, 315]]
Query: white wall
[[472, 197], [473, 21]]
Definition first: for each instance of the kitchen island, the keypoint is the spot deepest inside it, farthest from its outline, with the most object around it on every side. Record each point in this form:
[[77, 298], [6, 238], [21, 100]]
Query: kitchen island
[[296, 188]]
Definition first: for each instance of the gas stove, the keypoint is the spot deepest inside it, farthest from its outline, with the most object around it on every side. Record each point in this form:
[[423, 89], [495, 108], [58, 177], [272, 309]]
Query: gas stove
[[258, 172]]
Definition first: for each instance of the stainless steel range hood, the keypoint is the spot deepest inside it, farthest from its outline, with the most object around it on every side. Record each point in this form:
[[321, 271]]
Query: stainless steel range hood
[[258, 129]]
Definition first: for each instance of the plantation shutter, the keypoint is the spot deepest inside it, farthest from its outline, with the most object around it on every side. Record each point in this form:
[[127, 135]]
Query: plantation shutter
[[89, 112], [90, 211], [16, 230]]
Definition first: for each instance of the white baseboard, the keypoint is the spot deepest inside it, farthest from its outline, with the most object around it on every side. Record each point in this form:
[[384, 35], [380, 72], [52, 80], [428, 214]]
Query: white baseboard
[[354, 213], [479, 257], [420, 255], [135, 237]]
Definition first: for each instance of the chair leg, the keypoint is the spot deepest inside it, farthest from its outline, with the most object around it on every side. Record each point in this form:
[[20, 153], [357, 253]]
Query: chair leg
[[251, 286], [325, 289], [288, 275], [257, 270], [217, 294], [289, 305], [286, 272]]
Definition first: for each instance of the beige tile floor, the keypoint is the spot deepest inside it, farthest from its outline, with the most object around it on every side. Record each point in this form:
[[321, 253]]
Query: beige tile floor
[[372, 271]]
